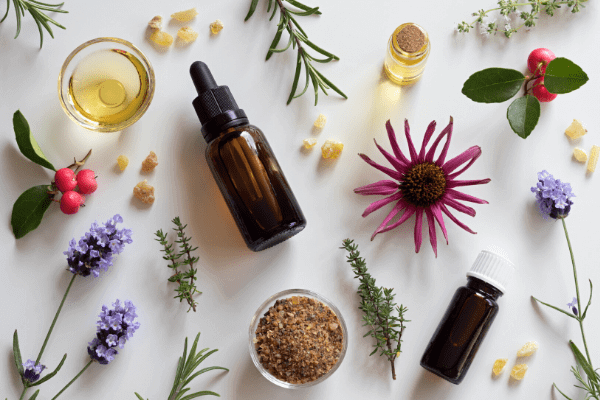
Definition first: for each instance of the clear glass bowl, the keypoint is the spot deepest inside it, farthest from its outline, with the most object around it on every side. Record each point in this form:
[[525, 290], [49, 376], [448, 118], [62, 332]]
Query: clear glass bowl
[[264, 307], [71, 63]]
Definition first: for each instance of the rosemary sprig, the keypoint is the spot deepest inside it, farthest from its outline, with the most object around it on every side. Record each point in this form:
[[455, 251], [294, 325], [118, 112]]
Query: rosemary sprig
[[507, 7], [378, 305], [188, 363], [185, 279], [36, 9], [298, 38]]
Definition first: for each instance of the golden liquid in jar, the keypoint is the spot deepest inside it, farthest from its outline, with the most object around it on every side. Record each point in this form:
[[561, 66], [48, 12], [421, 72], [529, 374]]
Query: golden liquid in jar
[[108, 86], [405, 68]]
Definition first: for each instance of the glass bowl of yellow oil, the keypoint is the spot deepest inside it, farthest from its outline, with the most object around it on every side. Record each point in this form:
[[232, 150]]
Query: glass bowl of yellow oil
[[106, 84]]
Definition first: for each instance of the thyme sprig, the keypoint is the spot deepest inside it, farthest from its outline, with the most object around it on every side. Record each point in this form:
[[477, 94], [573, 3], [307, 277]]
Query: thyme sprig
[[188, 363], [299, 38], [185, 278], [36, 9], [508, 7], [378, 305]]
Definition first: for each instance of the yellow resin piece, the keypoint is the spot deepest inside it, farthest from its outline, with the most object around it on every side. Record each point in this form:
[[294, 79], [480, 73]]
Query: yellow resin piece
[[185, 16], [150, 162], [332, 148], [187, 34], [156, 23], [123, 162], [321, 121], [499, 365], [528, 349], [580, 155], [518, 372], [144, 192], [594, 154], [162, 38], [575, 130], [309, 143], [216, 27]]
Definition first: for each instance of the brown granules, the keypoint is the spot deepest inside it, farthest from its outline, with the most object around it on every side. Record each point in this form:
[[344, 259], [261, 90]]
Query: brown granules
[[299, 339], [410, 39]]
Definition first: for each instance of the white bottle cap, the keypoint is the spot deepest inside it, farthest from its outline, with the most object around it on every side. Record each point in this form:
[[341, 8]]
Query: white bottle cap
[[493, 266]]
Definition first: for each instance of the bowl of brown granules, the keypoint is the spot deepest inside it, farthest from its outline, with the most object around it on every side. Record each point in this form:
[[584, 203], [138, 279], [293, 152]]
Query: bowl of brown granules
[[298, 338]]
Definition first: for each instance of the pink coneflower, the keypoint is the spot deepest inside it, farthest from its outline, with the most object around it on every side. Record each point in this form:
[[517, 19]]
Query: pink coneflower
[[422, 185]]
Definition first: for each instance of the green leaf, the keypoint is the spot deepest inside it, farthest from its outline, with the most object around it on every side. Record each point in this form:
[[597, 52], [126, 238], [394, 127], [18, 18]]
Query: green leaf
[[523, 115], [252, 9], [17, 353], [138, 396], [27, 143], [556, 308], [29, 210], [564, 76], [559, 391], [589, 302], [296, 77], [34, 396], [587, 368], [198, 394], [51, 374], [493, 85]]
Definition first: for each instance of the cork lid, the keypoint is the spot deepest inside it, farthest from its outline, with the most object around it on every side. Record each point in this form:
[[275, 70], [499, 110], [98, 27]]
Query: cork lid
[[411, 38]]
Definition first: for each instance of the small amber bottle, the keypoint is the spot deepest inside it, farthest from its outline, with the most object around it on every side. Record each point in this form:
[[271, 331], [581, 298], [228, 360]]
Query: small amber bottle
[[468, 317], [244, 167], [407, 53]]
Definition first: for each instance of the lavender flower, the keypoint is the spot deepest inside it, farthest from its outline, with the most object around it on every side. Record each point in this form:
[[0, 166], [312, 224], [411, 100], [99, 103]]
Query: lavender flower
[[115, 327], [573, 306], [32, 371], [553, 196], [95, 250]]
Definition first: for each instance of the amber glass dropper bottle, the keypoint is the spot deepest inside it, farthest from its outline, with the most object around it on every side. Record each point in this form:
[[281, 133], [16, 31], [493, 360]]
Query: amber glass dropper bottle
[[244, 167]]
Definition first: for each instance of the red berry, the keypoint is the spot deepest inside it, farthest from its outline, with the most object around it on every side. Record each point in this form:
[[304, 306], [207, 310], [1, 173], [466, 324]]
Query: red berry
[[65, 179], [70, 202], [86, 180], [539, 56], [540, 91]]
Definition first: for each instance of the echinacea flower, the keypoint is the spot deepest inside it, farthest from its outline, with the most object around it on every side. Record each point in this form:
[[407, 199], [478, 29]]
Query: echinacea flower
[[95, 250], [422, 184], [553, 196], [573, 306], [114, 328], [32, 371]]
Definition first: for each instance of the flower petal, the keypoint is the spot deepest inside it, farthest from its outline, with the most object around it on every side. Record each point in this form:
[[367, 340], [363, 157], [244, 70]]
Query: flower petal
[[432, 234], [384, 187], [411, 146], [394, 142], [400, 166], [380, 203], [426, 138], [418, 229], [455, 194], [452, 183], [471, 154], [456, 221], [431, 152], [392, 173], [437, 213], [442, 157], [406, 215], [458, 206]]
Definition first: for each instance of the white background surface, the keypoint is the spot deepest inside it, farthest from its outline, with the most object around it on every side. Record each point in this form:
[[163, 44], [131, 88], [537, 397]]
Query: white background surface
[[234, 280]]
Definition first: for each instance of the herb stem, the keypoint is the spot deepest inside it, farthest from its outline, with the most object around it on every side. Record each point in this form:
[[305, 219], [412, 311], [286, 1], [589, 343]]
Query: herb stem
[[74, 379], [23, 392], [39, 357]]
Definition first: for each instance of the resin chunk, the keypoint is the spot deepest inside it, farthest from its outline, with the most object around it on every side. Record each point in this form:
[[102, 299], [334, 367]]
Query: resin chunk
[[332, 148], [144, 192], [162, 38], [594, 154], [150, 162], [518, 372], [156, 23], [528, 349], [123, 162], [499, 365], [575, 130], [580, 155], [216, 27], [187, 34], [320, 121], [185, 16], [309, 143]]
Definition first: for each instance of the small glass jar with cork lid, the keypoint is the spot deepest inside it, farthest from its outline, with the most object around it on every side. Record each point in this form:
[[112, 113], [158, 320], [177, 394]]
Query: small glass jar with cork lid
[[407, 53]]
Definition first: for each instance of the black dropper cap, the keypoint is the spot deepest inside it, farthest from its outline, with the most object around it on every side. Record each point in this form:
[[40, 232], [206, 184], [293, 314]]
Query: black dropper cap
[[215, 105]]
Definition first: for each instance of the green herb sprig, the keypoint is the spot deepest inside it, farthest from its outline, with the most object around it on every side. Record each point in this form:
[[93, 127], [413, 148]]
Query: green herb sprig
[[188, 363], [299, 38], [508, 7], [378, 305], [185, 279], [36, 9]]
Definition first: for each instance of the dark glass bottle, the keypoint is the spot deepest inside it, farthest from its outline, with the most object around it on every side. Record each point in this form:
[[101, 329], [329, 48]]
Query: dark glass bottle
[[468, 318], [244, 167]]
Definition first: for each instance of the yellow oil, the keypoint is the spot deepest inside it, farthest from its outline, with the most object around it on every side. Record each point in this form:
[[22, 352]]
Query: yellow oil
[[405, 68], [108, 86]]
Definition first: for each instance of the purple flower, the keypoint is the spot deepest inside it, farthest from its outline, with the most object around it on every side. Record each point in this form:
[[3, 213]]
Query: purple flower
[[573, 306], [115, 327], [32, 371], [95, 250], [553, 196]]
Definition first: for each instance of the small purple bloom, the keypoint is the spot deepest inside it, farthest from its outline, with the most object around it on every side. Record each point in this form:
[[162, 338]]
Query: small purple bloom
[[94, 251], [32, 371], [573, 306], [553, 196], [115, 327]]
